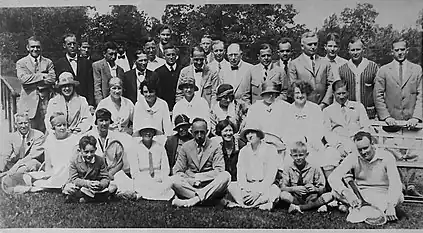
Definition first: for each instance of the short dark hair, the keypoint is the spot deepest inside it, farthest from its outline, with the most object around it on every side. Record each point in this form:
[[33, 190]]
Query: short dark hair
[[67, 35], [305, 87], [285, 40], [264, 46], [109, 45], [151, 86], [362, 134], [196, 48], [87, 140], [149, 39], [338, 84], [333, 36], [223, 124], [164, 27], [355, 39], [197, 119], [170, 46], [85, 40], [400, 39], [139, 52]]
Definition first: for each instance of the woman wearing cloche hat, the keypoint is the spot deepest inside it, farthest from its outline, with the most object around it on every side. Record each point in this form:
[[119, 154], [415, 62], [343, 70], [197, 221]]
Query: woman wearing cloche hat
[[74, 106]]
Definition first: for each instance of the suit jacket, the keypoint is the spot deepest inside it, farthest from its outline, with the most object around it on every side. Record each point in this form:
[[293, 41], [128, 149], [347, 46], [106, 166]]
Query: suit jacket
[[167, 83], [12, 144], [81, 172], [366, 83], [251, 84], [171, 147], [101, 73], [227, 76], [321, 80], [30, 80], [210, 165], [130, 84], [280, 64], [208, 85], [401, 101], [84, 75]]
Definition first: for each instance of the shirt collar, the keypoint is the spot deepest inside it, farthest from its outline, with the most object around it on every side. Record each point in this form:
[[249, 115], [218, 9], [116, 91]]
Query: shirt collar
[[378, 156], [73, 58], [92, 161], [33, 58], [305, 168], [168, 66]]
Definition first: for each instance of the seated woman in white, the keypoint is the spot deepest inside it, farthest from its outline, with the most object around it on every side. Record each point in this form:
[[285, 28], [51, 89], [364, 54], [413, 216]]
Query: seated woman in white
[[150, 166], [59, 148], [122, 108], [256, 172], [75, 107], [154, 110]]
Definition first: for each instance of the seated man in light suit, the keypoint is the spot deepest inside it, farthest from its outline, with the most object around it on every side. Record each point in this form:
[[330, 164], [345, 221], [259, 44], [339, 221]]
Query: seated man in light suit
[[206, 77], [22, 150], [36, 74], [313, 69], [265, 71], [199, 172]]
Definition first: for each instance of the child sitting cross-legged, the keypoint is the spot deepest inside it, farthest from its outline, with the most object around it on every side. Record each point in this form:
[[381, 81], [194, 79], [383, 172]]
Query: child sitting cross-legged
[[302, 183]]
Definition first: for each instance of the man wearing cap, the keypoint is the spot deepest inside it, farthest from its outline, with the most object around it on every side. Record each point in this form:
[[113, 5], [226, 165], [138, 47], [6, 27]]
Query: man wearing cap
[[206, 77], [237, 71], [150, 48], [265, 71], [174, 143], [104, 70], [227, 107], [74, 106], [22, 150], [191, 105], [311, 68], [36, 74], [199, 172], [80, 67]]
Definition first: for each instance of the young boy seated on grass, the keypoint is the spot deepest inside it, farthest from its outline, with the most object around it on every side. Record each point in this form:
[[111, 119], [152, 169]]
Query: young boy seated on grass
[[88, 176], [303, 184]]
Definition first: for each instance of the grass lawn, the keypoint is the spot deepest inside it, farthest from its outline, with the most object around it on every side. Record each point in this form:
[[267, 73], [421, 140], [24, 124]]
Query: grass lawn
[[39, 210]]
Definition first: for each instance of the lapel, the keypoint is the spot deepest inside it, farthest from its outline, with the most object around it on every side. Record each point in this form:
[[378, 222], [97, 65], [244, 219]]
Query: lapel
[[407, 74], [194, 155], [239, 80], [83, 166], [106, 69], [205, 76], [306, 64], [69, 67], [318, 63], [30, 141], [30, 64], [206, 153], [392, 69], [133, 77]]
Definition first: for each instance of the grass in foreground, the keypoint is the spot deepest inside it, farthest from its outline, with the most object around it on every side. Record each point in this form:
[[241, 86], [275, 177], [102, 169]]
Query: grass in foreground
[[38, 210]]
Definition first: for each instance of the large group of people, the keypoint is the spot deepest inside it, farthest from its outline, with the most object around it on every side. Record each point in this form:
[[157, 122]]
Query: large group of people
[[219, 130]]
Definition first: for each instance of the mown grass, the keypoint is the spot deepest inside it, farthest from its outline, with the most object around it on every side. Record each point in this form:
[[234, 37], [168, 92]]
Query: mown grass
[[48, 210]]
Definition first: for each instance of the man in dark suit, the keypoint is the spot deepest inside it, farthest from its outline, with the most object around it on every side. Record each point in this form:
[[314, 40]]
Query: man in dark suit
[[104, 70], [167, 76], [285, 54], [85, 49], [134, 77], [80, 67], [124, 59]]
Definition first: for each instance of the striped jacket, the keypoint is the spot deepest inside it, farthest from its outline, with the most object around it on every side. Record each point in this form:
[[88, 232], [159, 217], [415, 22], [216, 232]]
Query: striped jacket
[[361, 90]]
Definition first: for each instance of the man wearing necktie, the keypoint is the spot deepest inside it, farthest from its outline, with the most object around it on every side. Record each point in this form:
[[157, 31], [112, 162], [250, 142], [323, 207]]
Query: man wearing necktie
[[206, 44], [134, 77], [218, 50], [206, 77], [237, 71], [200, 174], [80, 67], [262, 72], [104, 70], [36, 75], [398, 97], [285, 56], [319, 75]]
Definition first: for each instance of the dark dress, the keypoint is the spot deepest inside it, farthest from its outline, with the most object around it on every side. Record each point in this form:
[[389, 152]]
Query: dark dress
[[231, 160]]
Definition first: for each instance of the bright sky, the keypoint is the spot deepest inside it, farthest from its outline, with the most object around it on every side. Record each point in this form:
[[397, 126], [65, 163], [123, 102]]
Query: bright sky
[[400, 13]]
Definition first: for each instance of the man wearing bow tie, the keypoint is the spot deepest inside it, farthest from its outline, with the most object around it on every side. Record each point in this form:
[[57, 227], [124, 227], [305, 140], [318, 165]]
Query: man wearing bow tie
[[262, 72], [237, 71], [206, 77], [311, 68], [104, 70], [36, 74], [80, 67], [134, 77], [123, 60]]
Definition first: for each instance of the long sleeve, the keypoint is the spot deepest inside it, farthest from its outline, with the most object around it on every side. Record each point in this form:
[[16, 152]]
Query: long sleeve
[[98, 95], [329, 80], [164, 164], [215, 82], [51, 75], [179, 93], [395, 185], [335, 178], [103, 177], [271, 167], [319, 180], [364, 119], [218, 166], [74, 176], [418, 110], [245, 88], [25, 75], [379, 95], [86, 119], [132, 154], [241, 175], [181, 163], [167, 124], [292, 71], [38, 147], [330, 136]]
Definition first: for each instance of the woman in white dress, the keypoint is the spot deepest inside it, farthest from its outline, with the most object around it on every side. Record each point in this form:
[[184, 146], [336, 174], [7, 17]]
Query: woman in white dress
[[122, 108], [150, 166]]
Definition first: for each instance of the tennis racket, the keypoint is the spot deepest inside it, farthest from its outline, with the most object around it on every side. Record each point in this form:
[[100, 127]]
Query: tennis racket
[[114, 154], [373, 215]]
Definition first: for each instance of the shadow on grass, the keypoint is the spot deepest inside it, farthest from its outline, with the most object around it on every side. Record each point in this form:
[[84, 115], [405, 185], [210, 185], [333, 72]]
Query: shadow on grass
[[38, 210]]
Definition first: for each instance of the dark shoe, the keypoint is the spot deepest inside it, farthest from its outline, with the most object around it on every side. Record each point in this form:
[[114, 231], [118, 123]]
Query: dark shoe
[[411, 190], [69, 199]]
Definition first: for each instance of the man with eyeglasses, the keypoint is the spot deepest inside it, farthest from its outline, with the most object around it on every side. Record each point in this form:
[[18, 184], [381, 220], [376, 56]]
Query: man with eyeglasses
[[359, 73], [311, 68]]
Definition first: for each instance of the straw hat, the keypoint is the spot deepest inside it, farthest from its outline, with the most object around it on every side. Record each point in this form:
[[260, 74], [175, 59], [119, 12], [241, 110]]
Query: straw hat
[[185, 81], [66, 78]]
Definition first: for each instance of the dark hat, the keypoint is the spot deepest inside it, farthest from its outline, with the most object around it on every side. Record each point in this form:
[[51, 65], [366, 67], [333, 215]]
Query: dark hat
[[185, 81], [224, 90], [66, 78], [270, 87], [103, 113], [181, 120]]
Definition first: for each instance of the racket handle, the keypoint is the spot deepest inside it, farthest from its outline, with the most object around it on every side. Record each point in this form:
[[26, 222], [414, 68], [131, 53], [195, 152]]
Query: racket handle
[[356, 191]]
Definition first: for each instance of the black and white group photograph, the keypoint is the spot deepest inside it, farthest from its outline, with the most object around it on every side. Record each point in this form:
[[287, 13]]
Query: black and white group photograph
[[182, 115]]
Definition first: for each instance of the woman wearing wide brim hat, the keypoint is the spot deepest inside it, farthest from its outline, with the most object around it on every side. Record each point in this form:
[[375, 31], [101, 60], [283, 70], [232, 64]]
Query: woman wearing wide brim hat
[[150, 166], [187, 81], [257, 168], [75, 107]]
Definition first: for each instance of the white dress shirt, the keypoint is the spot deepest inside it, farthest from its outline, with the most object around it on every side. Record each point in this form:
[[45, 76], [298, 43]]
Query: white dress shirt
[[198, 107], [73, 62], [123, 62], [156, 63]]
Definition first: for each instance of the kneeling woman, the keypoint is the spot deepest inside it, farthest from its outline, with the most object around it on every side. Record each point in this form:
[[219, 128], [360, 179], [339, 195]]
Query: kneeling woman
[[256, 172], [150, 167]]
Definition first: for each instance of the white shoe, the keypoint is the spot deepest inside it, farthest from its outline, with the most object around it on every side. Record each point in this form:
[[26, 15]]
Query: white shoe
[[294, 208], [322, 209], [333, 203]]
